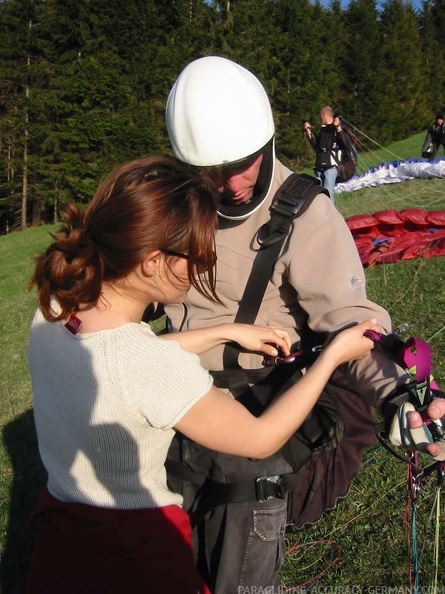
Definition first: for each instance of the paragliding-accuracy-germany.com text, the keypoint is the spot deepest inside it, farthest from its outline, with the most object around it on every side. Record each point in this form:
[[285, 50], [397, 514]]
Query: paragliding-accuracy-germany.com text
[[351, 589]]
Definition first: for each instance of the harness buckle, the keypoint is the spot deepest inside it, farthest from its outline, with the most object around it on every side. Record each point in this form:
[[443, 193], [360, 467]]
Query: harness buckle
[[287, 205], [268, 487], [303, 357]]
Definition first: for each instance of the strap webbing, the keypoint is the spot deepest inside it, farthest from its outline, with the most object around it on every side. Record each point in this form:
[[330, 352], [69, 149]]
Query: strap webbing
[[292, 199]]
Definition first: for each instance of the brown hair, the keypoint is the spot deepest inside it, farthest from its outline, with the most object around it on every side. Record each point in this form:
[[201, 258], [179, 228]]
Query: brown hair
[[149, 204]]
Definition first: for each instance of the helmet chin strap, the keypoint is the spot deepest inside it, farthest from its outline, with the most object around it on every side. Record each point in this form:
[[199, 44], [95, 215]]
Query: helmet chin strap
[[239, 212]]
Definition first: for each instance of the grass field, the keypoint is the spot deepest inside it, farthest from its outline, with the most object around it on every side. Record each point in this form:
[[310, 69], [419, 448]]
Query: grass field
[[368, 526]]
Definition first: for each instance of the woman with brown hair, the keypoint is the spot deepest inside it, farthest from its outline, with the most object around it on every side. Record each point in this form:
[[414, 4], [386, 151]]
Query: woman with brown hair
[[109, 393]]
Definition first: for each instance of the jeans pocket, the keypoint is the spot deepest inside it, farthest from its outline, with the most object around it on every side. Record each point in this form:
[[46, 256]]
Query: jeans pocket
[[270, 524], [265, 549]]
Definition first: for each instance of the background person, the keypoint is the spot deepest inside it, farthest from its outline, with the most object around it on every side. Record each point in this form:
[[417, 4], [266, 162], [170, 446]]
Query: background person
[[435, 137], [219, 119], [328, 144], [109, 394]]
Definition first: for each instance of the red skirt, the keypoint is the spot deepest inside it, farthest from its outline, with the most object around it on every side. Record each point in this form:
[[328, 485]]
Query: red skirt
[[80, 549]]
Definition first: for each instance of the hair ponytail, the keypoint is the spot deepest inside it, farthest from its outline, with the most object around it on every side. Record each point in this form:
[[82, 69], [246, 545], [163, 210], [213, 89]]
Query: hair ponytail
[[69, 270]]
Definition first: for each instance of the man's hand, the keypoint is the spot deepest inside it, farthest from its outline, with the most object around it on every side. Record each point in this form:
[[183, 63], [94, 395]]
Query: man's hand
[[408, 430]]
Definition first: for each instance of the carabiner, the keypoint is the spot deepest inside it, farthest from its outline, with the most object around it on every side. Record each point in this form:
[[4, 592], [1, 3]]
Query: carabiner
[[296, 357], [292, 358], [374, 335]]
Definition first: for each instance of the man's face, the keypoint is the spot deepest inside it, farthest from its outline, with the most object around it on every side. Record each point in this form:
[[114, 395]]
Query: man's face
[[240, 180]]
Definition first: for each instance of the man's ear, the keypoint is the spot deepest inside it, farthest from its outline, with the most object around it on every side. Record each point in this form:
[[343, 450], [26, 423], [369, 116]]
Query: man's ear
[[151, 262]]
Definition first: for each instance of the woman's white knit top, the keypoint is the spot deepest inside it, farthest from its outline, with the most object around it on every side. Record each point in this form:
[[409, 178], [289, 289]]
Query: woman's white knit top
[[105, 405]]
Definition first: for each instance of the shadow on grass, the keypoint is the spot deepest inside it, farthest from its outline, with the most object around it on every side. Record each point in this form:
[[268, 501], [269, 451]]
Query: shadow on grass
[[20, 440]]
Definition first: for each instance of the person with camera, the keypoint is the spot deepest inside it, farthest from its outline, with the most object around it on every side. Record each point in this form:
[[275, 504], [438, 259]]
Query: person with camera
[[328, 144], [435, 137]]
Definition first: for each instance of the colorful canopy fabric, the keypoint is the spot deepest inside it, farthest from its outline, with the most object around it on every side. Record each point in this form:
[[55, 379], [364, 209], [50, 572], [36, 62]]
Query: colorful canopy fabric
[[392, 172], [390, 236]]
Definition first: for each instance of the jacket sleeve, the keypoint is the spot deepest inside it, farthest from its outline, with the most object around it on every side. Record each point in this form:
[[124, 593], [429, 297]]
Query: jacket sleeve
[[312, 139], [326, 271]]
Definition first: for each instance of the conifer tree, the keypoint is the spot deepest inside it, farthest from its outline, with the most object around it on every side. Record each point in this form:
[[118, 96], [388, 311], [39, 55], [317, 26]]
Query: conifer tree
[[365, 83], [299, 92], [19, 53], [400, 43], [432, 27], [83, 83]]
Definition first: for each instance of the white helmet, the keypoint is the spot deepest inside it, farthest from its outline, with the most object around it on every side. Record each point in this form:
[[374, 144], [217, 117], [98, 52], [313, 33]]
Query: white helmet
[[217, 112]]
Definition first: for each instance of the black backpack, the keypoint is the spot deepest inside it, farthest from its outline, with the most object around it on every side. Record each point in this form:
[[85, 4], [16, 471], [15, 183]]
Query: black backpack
[[347, 166], [326, 156]]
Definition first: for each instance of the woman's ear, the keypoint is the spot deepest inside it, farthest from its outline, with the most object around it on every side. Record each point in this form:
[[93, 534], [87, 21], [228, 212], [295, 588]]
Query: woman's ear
[[151, 263]]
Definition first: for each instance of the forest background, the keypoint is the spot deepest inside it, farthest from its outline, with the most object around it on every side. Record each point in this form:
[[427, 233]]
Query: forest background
[[83, 83]]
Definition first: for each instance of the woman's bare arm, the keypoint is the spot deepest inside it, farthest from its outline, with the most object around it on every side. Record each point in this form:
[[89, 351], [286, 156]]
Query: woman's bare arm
[[263, 339], [221, 423]]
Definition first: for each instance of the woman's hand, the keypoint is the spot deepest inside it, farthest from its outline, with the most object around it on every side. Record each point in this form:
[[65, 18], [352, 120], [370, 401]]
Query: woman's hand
[[350, 344], [220, 422], [269, 340]]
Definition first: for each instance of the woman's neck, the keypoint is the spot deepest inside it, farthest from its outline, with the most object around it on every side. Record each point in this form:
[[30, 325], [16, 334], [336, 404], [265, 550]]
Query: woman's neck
[[115, 308]]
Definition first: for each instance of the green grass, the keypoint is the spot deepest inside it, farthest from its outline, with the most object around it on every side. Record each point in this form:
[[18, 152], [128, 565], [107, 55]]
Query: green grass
[[368, 525], [21, 470]]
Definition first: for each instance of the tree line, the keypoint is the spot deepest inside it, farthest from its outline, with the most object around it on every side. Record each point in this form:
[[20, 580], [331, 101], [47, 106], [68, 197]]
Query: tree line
[[83, 83]]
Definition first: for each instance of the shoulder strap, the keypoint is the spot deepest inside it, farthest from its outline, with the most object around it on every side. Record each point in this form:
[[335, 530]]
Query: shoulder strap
[[292, 199]]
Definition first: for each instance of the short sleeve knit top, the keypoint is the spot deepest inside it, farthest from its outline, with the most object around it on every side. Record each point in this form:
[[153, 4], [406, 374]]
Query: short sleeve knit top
[[105, 405]]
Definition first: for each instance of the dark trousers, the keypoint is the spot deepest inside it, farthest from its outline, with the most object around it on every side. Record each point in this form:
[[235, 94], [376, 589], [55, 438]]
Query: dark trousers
[[239, 544]]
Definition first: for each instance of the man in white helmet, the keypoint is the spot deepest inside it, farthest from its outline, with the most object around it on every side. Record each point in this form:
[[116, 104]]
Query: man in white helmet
[[219, 118]]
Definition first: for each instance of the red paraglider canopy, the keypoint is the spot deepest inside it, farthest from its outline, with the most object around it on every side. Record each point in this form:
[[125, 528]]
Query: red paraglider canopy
[[390, 236]]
